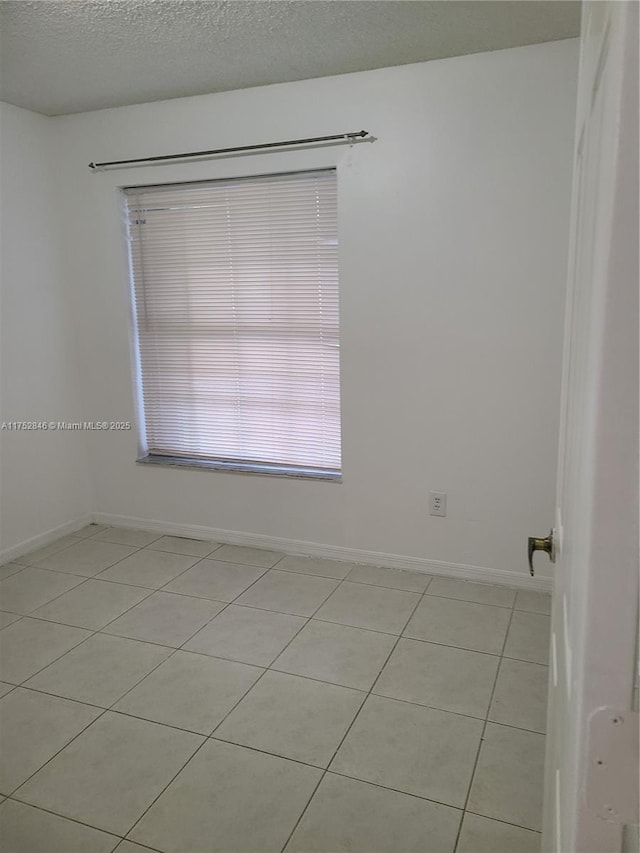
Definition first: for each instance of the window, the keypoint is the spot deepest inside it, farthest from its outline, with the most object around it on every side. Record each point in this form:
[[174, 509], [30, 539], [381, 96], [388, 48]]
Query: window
[[236, 311]]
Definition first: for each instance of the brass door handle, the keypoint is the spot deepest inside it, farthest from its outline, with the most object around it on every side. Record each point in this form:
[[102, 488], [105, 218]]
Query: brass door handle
[[545, 544]]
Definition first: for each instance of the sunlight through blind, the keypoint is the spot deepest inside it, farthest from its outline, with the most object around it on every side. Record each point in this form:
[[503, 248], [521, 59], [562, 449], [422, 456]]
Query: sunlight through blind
[[236, 308]]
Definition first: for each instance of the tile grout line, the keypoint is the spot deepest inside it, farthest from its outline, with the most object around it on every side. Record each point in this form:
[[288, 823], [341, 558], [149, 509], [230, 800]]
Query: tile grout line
[[114, 710], [75, 737], [347, 578], [412, 572], [178, 648], [32, 615], [136, 550], [79, 701], [206, 738], [174, 649], [209, 737], [261, 610], [74, 574], [505, 822], [93, 633], [268, 669], [19, 568], [55, 597], [484, 727], [427, 800], [51, 544], [192, 566], [120, 838], [273, 755], [153, 590], [15, 799], [341, 581], [357, 714], [97, 577]]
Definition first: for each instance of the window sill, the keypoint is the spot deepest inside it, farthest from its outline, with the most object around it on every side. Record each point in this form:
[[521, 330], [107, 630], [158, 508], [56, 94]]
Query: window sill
[[261, 470]]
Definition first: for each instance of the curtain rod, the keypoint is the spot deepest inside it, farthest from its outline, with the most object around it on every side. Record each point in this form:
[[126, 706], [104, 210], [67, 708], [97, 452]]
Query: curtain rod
[[340, 137]]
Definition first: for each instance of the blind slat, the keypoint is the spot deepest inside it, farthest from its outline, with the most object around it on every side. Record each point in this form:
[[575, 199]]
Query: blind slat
[[237, 316]]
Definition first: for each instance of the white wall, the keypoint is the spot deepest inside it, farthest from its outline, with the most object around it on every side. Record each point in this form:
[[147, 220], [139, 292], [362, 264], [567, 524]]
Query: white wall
[[453, 245], [43, 475]]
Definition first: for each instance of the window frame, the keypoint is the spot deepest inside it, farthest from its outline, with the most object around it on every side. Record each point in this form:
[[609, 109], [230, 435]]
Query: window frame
[[220, 464]]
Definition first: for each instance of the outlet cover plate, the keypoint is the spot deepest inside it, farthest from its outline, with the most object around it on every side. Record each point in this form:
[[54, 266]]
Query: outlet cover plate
[[438, 503]]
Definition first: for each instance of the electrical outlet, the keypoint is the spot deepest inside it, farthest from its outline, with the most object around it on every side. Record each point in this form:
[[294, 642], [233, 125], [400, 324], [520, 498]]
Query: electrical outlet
[[437, 503]]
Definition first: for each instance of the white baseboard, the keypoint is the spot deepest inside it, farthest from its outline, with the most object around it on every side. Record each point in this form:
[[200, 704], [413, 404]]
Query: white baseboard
[[27, 545], [480, 574]]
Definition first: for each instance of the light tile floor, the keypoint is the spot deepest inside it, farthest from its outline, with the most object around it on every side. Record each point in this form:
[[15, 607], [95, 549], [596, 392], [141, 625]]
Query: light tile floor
[[168, 694]]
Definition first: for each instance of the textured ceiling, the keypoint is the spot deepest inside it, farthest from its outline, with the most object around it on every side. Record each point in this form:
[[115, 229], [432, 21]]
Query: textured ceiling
[[60, 57]]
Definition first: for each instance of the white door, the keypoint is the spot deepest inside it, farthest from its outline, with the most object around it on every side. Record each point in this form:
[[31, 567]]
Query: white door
[[592, 762]]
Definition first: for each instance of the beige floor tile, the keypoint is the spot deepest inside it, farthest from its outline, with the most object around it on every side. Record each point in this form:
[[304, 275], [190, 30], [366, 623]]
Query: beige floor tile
[[184, 545], [440, 677], [92, 605], [315, 566], [248, 556], [130, 847], [22, 561], [29, 645], [351, 657], [478, 627], [411, 749], [33, 727], [534, 602], [293, 717], [400, 764], [86, 558], [150, 569], [229, 798], [480, 593], [391, 578], [165, 618], [507, 784], [29, 589], [372, 607], [190, 691], [482, 835], [216, 580], [109, 775], [520, 697], [25, 829], [9, 569], [348, 816], [288, 592], [127, 536], [246, 634], [8, 619], [33, 557], [529, 637], [101, 670]]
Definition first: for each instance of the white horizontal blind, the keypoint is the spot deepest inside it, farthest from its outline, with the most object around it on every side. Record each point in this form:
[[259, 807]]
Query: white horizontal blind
[[236, 302]]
